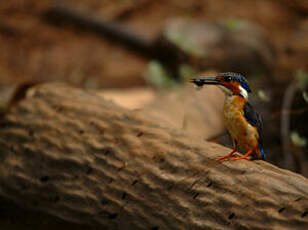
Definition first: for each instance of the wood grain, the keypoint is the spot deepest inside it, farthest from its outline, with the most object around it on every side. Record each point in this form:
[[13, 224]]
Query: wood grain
[[70, 155]]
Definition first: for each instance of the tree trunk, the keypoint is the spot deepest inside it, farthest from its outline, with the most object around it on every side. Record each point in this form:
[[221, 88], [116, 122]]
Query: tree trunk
[[70, 155]]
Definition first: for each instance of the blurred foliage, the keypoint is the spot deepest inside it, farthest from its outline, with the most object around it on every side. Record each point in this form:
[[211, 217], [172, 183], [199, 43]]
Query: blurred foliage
[[302, 79], [302, 83], [263, 96], [186, 72], [305, 96], [184, 41], [233, 24], [297, 140], [158, 76], [91, 83]]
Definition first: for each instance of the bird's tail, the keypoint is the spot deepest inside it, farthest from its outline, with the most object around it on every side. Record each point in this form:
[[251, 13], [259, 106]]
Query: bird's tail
[[262, 153]]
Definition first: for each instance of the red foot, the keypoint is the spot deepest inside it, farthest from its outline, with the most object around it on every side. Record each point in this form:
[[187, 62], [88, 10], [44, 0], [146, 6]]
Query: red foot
[[227, 156], [243, 157], [240, 158]]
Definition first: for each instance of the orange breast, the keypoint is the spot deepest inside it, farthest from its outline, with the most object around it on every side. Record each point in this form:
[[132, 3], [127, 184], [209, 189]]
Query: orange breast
[[240, 130]]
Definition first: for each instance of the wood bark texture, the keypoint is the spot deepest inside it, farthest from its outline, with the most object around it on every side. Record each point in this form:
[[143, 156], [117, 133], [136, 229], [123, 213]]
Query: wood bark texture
[[70, 155]]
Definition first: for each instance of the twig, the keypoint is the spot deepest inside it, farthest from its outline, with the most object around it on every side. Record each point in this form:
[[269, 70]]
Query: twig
[[277, 114]]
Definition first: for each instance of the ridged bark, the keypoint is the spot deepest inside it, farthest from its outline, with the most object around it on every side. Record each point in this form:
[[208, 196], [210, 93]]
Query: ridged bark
[[71, 155]]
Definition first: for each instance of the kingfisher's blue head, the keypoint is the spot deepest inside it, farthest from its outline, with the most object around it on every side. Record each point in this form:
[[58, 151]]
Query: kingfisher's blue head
[[230, 83]]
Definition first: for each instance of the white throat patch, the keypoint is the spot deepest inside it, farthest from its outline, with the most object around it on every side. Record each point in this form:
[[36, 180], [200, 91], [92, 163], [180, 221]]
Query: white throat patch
[[243, 92], [228, 92]]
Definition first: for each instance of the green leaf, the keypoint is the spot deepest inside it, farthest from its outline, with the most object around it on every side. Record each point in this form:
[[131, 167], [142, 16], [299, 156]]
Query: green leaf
[[297, 140], [263, 96], [305, 96], [233, 24], [184, 41], [158, 76], [186, 71], [302, 79]]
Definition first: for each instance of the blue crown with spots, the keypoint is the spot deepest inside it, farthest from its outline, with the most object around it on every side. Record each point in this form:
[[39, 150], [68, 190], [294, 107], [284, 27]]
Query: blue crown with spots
[[230, 76]]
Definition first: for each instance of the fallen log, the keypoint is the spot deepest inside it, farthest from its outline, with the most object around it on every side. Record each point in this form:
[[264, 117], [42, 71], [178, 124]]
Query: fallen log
[[70, 155]]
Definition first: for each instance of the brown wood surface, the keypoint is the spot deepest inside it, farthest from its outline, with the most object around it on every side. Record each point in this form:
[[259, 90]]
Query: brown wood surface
[[70, 155]]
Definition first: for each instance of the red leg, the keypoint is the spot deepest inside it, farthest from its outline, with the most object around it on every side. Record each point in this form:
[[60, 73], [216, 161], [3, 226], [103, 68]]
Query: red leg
[[229, 155], [244, 157]]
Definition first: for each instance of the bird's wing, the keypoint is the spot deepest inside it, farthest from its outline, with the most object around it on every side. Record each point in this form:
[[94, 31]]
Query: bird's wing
[[253, 118]]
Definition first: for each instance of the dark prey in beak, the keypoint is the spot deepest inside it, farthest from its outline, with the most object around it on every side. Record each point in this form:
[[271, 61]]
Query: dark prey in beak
[[205, 81]]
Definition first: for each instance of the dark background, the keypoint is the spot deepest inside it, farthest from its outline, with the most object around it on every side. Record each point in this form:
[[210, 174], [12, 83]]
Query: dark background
[[32, 49]]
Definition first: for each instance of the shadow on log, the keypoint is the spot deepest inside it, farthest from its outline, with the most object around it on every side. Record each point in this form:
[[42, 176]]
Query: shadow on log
[[69, 155]]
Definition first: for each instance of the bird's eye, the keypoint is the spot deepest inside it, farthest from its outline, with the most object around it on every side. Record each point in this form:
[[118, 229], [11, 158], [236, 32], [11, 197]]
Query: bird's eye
[[228, 79]]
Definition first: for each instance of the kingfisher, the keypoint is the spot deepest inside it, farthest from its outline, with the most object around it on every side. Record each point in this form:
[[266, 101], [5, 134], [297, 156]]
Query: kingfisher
[[242, 121]]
